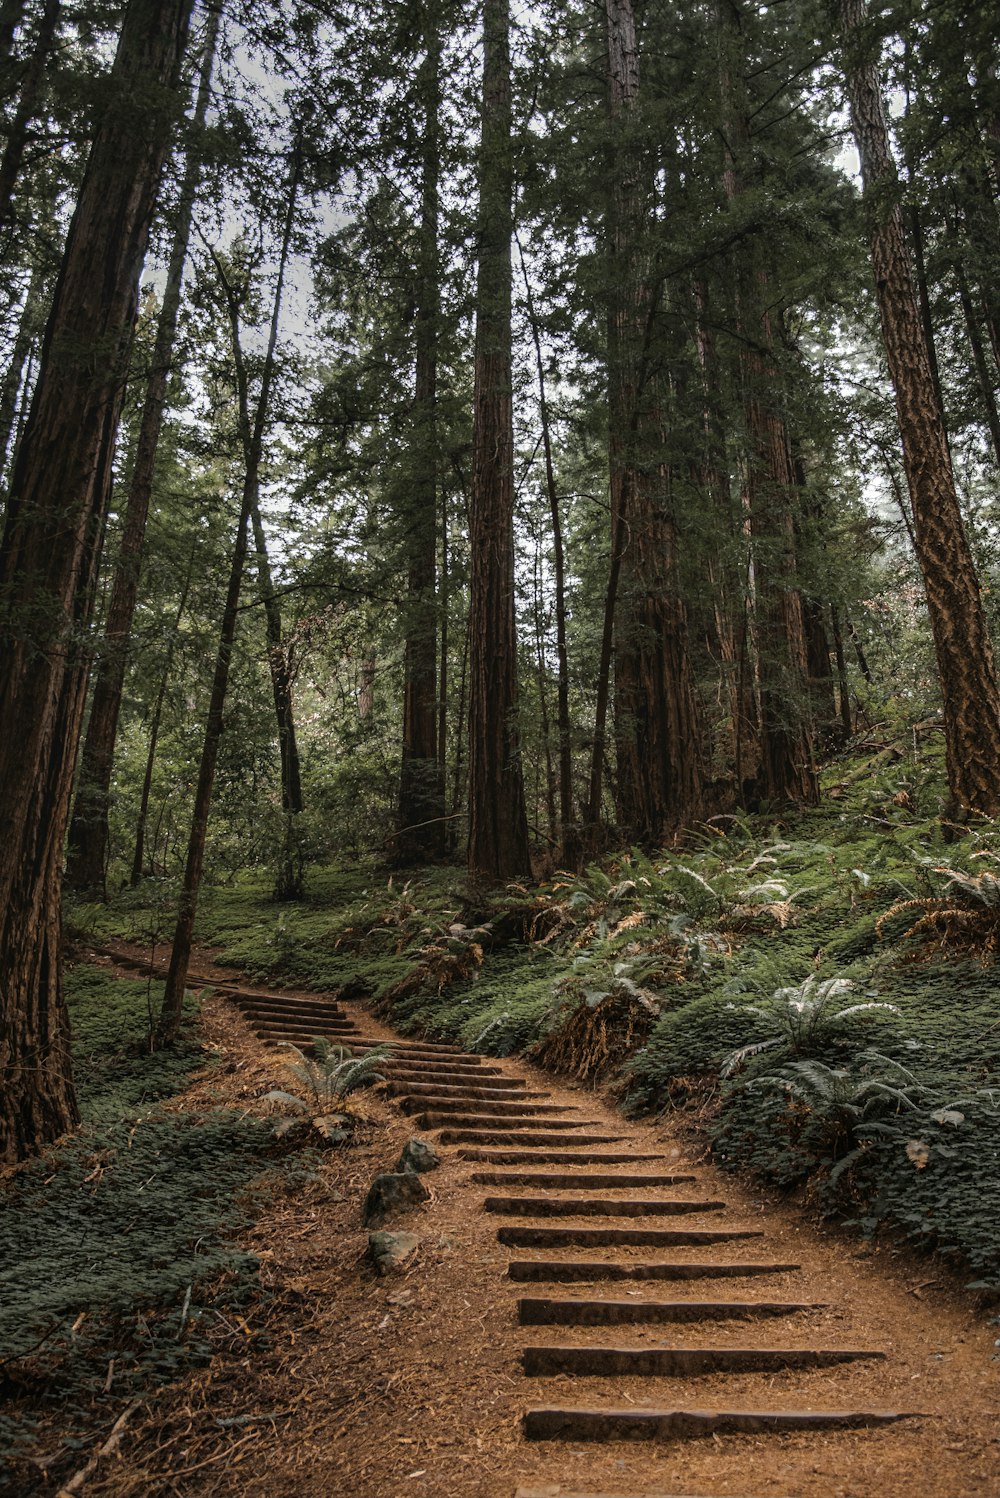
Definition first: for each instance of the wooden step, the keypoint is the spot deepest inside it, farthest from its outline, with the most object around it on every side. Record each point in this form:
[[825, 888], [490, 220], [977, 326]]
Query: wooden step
[[568, 1181], [266, 1029], [529, 1236], [682, 1362], [499, 1091], [482, 1107], [593, 1206], [251, 1003], [451, 1135], [579, 1271], [674, 1424], [414, 1069], [412, 1049], [532, 1311], [552, 1157], [443, 1119]]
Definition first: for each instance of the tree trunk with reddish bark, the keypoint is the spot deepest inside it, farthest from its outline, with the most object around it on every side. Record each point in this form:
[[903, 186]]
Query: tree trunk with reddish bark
[[657, 732], [86, 862], [49, 558], [421, 785], [969, 690], [498, 823], [28, 106]]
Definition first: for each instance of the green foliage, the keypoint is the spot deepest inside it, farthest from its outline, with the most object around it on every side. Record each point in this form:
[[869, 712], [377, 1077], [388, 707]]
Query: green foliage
[[120, 1243], [801, 1018], [332, 1073]]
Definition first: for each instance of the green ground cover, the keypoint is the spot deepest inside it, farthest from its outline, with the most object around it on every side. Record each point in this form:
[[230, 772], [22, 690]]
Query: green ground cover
[[847, 954], [117, 1243]]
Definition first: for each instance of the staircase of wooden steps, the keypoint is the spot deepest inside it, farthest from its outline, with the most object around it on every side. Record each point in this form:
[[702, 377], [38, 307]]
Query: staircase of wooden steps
[[552, 1166]]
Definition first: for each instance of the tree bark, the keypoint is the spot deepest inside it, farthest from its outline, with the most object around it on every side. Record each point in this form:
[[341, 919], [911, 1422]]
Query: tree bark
[[28, 106], [252, 438], [498, 823], [787, 770], [421, 784], [14, 385], [970, 696], [846, 717], [657, 732], [49, 557], [139, 847], [568, 833], [89, 832], [987, 384]]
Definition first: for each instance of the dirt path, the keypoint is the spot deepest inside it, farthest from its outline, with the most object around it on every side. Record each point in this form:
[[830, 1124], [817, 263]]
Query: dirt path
[[428, 1383]]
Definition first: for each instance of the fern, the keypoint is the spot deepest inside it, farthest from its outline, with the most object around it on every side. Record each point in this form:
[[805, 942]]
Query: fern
[[333, 1073]]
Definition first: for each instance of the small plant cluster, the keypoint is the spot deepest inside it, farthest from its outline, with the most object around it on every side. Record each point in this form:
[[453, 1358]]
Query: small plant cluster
[[963, 916], [327, 1077]]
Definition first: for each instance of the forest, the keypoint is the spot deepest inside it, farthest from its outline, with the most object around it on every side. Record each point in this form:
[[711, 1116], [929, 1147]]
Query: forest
[[500, 522]]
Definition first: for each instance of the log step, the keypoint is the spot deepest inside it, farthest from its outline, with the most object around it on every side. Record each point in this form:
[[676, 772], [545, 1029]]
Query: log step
[[415, 1069], [483, 1107], [579, 1271], [682, 1362], [499, 1091], [251, 1004], [545, 1312], [593, 1206], [416, 1050], [445, 1120], [551, 1157], [657, 1425], [537, 1237], [567, 1181], [302, 1034], [452, 1135]]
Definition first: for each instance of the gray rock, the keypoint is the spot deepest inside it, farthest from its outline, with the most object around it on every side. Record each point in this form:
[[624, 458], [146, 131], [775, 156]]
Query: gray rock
[[419, 1155], [392, 1192], [390, 1251]]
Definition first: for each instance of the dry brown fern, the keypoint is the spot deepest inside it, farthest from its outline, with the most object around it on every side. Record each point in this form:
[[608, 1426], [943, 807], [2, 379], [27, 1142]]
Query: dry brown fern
[[591, 1040]]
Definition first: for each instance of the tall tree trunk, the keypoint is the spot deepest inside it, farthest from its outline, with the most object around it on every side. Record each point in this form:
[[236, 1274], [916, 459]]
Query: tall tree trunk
[[846, 717], [787, 770], [987, 383], [657, 733], [139, 847], [14, 385], [28, 106], [970, 695], [421, 784], [89, 832], [49, 558], [568, 833], [252, 438], [498, 823]]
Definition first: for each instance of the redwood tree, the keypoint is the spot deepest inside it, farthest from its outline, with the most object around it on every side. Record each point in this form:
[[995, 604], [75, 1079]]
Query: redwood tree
[[421, 787], [969, 690], [656, 729], [88, 835], [49, 555], [498, 824]]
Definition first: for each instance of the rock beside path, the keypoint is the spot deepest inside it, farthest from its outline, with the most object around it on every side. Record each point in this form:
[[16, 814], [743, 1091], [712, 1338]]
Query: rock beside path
[[390, 1251], [418, 1155], [392, 1192]]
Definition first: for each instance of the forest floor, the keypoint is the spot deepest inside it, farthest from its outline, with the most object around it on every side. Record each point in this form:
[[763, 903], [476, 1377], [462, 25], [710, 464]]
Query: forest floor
[[340, 1382], [805, 1010]]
